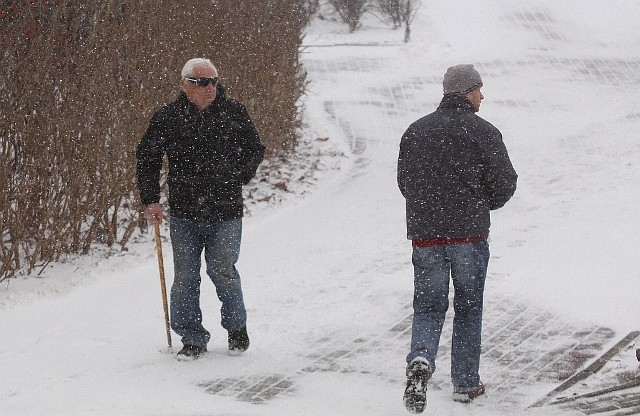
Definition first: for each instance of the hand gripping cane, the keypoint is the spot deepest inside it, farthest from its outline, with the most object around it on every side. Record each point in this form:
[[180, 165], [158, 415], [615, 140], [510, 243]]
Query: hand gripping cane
[[163, 286]]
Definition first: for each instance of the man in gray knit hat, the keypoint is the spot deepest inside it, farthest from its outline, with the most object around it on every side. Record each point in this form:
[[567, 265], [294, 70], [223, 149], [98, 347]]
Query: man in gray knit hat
[[453, 169]]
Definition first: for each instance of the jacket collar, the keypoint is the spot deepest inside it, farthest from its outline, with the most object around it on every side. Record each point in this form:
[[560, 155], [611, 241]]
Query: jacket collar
[[456, 101]]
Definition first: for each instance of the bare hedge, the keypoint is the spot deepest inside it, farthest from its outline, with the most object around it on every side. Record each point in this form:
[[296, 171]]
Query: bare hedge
[[79, 83]]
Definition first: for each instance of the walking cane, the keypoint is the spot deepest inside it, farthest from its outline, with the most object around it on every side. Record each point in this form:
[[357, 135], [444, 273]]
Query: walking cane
[[163, 286]]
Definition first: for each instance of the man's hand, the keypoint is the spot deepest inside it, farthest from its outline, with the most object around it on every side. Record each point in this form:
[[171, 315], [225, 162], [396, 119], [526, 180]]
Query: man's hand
[[153, 214]]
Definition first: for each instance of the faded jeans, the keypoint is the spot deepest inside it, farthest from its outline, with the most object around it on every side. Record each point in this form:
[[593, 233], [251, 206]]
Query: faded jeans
[[467, 265], [221, 244]]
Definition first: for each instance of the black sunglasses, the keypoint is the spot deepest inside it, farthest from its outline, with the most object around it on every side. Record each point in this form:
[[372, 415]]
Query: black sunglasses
[[203, 81]]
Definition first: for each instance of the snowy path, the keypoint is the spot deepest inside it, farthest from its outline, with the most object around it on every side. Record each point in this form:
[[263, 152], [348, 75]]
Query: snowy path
[[328, 277]]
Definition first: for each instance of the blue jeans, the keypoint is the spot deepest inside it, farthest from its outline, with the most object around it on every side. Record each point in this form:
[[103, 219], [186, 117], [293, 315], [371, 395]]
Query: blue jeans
[[221, 244], [467, 265]]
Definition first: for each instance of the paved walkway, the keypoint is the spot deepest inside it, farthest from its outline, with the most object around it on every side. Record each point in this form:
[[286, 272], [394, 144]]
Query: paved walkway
[[524, 346]]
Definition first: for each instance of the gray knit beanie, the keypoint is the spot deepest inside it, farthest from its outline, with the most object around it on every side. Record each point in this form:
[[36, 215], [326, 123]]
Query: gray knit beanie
[[461, 79]]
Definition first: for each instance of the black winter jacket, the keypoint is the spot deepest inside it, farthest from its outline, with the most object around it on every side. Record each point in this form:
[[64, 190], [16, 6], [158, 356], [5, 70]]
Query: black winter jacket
[[453, 168], [211, 155]]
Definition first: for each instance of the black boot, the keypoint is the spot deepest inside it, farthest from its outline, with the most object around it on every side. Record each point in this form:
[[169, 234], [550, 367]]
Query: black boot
[[238, 341], [190, 353], [415, 394]]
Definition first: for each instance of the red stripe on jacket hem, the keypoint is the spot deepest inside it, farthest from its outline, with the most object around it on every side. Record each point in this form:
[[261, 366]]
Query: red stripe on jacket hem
[[432, 242]]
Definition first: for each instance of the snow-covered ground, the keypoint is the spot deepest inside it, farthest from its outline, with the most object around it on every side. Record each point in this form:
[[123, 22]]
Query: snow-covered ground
[[327, 272]]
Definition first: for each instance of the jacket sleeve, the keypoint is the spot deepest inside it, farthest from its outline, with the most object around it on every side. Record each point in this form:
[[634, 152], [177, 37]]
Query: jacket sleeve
[[500, 178], [403, 162], [252, 152], [149, 155]]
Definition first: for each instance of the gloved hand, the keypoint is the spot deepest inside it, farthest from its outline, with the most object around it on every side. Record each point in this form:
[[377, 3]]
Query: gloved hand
[[153, 213]]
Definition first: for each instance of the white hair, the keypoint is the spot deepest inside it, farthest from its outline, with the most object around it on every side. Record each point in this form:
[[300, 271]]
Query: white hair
[[187, 69]]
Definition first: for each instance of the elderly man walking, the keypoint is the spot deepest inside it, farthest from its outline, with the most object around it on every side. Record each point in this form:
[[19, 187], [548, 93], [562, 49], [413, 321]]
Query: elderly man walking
[[213, 148], [453, 169]]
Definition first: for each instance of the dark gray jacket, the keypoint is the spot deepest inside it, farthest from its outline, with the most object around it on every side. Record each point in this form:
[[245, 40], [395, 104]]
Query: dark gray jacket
[[211, 155], [453, 168]]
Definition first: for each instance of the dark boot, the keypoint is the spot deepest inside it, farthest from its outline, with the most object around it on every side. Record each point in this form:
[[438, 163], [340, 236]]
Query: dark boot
[[415, 394], [190, 353], [468, 395], [238, 341]]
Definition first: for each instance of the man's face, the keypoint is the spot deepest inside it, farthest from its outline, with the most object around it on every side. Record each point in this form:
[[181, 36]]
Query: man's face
[[475, 97], [202, 97]]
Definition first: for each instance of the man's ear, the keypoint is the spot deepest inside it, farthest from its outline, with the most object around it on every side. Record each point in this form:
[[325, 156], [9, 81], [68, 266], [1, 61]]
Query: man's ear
[[181, 83]]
